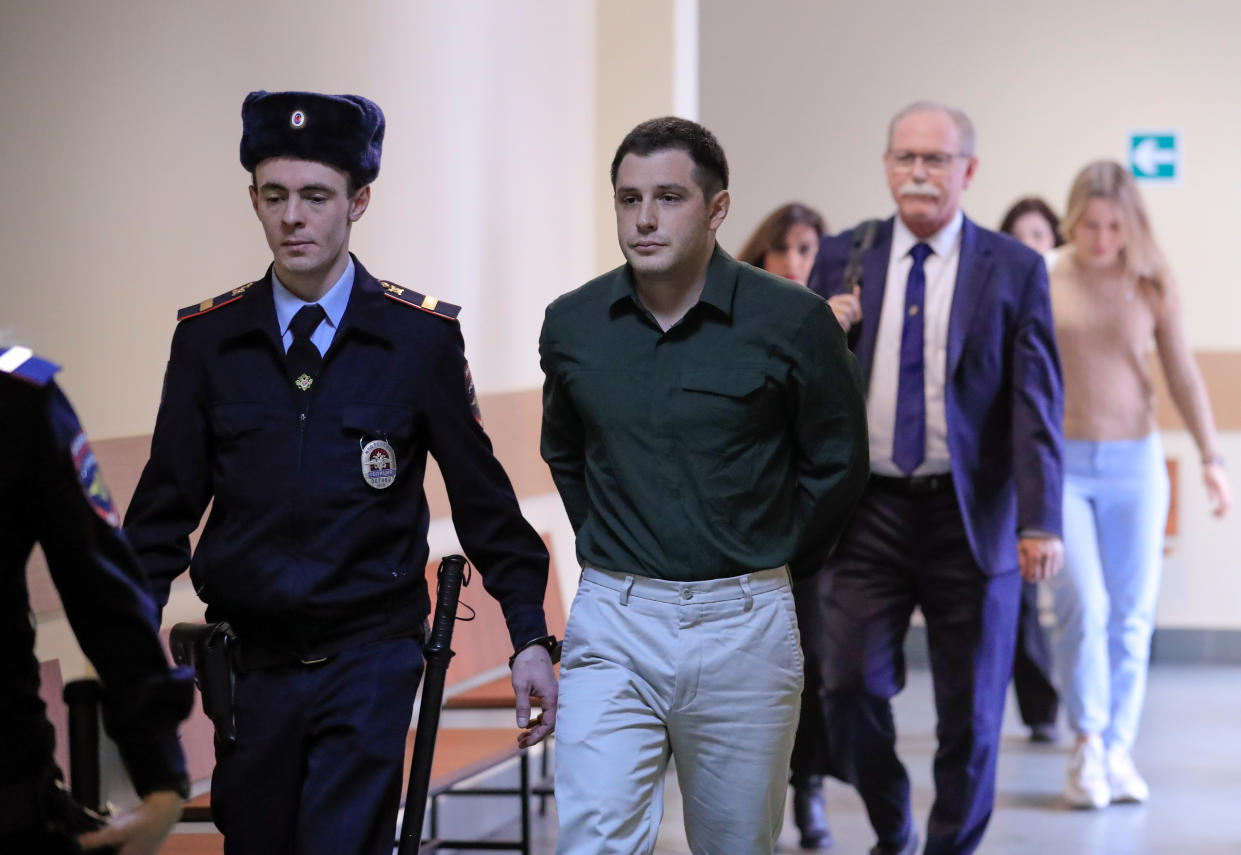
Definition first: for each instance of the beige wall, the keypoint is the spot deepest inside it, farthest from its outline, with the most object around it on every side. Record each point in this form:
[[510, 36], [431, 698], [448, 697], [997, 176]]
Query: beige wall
[[635, 82], [800, 95]]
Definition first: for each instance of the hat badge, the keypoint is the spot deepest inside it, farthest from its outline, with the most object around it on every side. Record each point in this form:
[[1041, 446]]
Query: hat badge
[[298, 119]]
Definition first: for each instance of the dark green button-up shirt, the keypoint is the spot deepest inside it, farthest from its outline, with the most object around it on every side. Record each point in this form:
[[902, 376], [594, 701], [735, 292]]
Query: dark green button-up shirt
[[733, 442]]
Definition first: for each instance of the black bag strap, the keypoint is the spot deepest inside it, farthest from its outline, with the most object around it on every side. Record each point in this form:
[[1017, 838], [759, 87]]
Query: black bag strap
[[863, 239]]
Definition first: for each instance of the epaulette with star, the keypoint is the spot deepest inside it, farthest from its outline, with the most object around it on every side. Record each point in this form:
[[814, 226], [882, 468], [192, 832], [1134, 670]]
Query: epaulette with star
[[212, 303], [20, 362], [433, 305]]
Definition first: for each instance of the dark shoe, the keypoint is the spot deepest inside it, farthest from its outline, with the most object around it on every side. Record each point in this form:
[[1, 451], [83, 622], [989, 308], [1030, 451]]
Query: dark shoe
[[910, 847], [1044, 734], [810, 816]]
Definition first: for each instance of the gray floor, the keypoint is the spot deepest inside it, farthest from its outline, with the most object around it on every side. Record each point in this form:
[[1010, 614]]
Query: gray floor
[[1189, 750]]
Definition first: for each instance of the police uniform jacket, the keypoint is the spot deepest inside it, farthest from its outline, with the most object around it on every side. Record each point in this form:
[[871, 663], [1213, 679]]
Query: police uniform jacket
[[299, 551], [52, 492]]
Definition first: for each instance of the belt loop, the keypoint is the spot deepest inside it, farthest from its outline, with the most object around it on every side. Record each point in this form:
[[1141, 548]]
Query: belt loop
[[745, 589], [624, 597]]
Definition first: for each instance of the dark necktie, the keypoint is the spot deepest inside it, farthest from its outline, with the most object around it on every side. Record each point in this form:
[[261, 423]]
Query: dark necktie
[[909, 441], [303, 357]]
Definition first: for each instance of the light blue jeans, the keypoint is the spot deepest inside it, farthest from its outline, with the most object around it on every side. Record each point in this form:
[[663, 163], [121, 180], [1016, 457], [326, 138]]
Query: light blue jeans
[[1115, 511]]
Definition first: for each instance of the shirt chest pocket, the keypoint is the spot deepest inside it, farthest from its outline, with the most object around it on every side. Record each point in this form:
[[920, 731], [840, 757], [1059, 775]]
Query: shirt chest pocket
[[724, 410], [244, 445]]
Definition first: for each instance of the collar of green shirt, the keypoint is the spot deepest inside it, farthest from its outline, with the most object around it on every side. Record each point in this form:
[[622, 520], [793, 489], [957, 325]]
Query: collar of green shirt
[[718, 291]]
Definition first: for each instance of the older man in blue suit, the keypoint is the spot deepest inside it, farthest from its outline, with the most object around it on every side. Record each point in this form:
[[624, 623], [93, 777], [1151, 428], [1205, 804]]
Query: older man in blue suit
[[953, 332]]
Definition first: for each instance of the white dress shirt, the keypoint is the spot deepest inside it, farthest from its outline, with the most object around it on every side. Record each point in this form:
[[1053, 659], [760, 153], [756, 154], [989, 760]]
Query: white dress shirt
[[941, 281]]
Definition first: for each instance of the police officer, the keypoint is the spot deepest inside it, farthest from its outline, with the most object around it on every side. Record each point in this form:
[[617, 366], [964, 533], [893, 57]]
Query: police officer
[[52, 492], [303, 406]]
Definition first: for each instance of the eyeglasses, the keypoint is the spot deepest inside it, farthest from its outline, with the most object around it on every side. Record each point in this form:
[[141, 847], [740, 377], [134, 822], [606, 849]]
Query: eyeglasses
[[934, 161]]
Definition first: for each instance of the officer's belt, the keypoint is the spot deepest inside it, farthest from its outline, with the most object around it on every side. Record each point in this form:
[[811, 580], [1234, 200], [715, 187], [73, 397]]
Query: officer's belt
[[254, 652]]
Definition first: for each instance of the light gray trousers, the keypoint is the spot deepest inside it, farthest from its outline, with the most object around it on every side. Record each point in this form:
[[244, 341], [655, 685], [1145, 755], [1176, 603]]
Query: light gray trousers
[[709, 672]]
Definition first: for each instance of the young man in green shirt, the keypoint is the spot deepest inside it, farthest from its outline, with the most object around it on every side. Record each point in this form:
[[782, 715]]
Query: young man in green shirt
[[705, 427]]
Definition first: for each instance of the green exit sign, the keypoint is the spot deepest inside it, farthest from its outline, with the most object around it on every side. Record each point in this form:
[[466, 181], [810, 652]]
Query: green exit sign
[[1155, 155]]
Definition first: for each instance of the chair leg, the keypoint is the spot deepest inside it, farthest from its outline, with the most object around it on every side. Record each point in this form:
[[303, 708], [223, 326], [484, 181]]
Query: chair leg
[[525, 803]]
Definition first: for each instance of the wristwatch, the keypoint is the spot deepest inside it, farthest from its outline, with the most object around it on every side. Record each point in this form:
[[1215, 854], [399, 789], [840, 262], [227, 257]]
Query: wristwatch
[[548, 642]]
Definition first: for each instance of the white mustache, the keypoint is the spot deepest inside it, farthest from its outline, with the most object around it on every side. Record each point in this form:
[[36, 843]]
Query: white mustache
[[914, 188]]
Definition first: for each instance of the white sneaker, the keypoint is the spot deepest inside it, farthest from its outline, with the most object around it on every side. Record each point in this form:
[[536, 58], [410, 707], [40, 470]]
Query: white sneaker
[[1123, 778], [1087, 785]]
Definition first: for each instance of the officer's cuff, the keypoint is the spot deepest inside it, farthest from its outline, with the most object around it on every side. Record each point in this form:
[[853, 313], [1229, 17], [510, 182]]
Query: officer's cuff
[[525, 623]]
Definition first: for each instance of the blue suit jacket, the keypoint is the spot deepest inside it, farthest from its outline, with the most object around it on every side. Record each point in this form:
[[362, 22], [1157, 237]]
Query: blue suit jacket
[[1004, 399]]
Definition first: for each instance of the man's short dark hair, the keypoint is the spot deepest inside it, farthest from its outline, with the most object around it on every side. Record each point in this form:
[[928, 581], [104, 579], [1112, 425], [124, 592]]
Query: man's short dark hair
[[671, 132]]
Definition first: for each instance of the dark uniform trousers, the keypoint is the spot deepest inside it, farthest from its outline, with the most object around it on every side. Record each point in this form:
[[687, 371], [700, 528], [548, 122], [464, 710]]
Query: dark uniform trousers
[[904, 551], [319, 758]]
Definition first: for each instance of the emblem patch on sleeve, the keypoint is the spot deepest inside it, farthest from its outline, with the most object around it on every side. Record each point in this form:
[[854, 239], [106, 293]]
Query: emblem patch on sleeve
[[472, 396], [91, 478]]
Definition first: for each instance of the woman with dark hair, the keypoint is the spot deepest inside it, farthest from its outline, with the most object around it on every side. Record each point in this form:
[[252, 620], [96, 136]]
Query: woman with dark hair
[[786, 242], [1111, 294], [1032, 221]]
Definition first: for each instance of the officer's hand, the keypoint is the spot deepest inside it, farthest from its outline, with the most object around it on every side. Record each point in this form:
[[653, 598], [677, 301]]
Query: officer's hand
[[140, 831], [1039, 557], [534, 680]]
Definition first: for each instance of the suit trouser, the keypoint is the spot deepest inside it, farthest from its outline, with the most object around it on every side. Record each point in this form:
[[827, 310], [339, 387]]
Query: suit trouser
[[811, 756], [900, 552], [320, 751], [707, 672], [1032, 680]]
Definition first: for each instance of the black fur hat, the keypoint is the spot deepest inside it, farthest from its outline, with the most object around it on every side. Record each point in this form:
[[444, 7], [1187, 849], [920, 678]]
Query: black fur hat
[[345, 131]]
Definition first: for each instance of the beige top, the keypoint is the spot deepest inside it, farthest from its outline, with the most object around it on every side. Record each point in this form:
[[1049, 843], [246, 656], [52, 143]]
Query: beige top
[[1105, 320]]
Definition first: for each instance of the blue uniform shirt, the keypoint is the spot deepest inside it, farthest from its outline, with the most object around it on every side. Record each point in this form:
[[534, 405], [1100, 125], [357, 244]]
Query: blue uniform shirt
[[333, 303]]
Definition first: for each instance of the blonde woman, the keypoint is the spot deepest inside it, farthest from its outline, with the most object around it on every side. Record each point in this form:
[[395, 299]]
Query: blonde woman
[[1112, 293]]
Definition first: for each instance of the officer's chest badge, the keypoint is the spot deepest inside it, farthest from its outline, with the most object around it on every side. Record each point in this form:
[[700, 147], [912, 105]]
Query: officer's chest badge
[[378, 464], [304, 382]]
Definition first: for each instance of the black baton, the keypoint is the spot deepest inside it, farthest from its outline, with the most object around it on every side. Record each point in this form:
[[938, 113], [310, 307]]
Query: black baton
[[438, 653]]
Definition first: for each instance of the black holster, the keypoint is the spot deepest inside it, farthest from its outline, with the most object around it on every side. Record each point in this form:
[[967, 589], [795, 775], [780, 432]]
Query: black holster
[[207, 648]]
